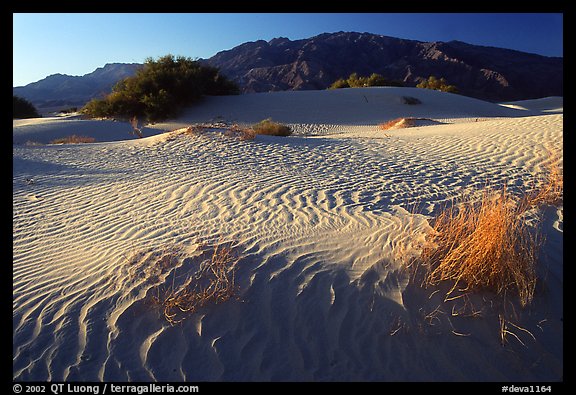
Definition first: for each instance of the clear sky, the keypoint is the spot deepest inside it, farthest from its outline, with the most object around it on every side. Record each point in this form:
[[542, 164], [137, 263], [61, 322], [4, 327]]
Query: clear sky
[[77, 44]]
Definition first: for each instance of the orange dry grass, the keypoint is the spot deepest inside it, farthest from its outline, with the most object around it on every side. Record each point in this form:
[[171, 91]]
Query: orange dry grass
[[265, 127], [398, 123], [551, 188], [271, 128], [487, 244], [213, 282], [483, 245], [244, 134]]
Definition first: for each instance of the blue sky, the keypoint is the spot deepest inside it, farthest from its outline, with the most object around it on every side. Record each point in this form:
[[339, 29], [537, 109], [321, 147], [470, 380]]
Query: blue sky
[[77, 44]]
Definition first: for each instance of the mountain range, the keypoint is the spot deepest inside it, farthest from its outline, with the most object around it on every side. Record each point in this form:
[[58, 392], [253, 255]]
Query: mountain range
[[61, 90], [487, 73]]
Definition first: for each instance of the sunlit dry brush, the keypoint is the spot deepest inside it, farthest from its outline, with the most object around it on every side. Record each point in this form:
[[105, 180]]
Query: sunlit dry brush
[[397, 123], [508, 328], [212, 282], [242, 133], [483, 244], [271, 128], [548, 189], [264, 127], [195, 130], [486, 243]]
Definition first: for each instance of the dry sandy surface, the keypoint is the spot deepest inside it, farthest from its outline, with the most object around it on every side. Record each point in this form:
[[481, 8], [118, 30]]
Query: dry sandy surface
[[323, 222]]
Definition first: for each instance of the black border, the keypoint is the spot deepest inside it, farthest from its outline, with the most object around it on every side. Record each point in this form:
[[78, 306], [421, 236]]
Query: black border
[[169, 6]]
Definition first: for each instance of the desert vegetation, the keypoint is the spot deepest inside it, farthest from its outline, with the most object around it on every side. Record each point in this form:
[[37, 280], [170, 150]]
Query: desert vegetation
[[356, 81], [73, 139], [342, 229], [483, 245], [211, 281], [160, 89], [265, 127], [486, 244], [22, 108], [271, 128], [437, 84]]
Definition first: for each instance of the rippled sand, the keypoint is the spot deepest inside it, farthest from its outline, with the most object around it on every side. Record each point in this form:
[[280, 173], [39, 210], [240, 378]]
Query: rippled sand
[[318, 218]]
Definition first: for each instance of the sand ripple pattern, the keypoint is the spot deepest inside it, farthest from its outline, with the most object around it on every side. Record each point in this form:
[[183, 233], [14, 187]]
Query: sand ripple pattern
[[319, 219]]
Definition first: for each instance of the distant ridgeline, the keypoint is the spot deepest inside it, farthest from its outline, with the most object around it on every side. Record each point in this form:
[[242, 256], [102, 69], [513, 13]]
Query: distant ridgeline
[[61, 91], [487, 73]]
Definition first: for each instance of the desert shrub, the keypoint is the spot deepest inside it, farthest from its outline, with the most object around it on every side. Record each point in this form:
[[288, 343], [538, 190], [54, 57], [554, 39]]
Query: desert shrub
[[221, 86], [339, 83], [356, 81], [271, 128], [437, 84], [22, 108], [266, 127], [98, 108], [160, 89], [73, 139], [378, 80]]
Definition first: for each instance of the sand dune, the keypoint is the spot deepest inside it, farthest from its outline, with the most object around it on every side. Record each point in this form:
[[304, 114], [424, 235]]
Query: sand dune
[[545, 105], [44, 130], [318, 218], [344, 106]]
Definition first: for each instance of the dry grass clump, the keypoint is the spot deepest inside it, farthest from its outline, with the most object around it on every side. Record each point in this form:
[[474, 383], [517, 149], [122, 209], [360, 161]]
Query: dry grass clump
[[242, 133], [73, 139], [271, 128], [195, 130], [483, 245], [549, 190], [486, 244], [265, 127], [213, 282], [398, 123]]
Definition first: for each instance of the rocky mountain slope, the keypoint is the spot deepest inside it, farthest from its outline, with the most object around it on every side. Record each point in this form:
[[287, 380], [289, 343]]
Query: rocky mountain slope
[[483, 72], [487, 73], [61, 90]]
